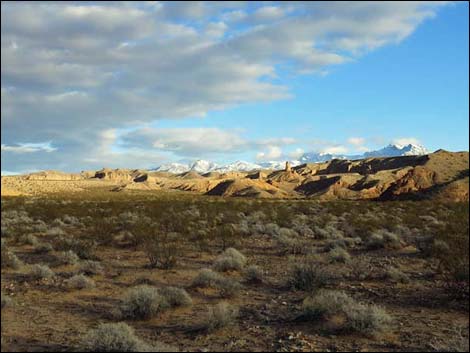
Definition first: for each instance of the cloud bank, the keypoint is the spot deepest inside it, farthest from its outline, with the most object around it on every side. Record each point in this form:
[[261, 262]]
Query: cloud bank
[[73, 72]]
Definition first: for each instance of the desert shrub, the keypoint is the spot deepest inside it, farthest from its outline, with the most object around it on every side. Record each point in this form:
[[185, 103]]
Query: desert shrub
[[339, 255], [310, 275], [225, 233], [43, 248], [253, 274], [83, 248], [162, 248], [362, 318], [174, 296], [10, 260], [142, 302], [230, 260], [396, 275], [68, 258], [80, 282], [118, 337], [221, 315], [209, 279], [39, 271], [28, 239], [55, 231], [103, 230], [291, 245], [272, 229], [458, 342], [383, 239], [89, 267], [6, 300], [451, 248], [335, 244]]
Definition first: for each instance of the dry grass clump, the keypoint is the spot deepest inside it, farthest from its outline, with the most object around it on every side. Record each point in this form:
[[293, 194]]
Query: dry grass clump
[[9, 259], [209, 279], [339, 255], [6, 300], [253, 274], [230, 260], [142, 302], [383, 239], [394, 274], [358, 317], [80, 282], [43, 248], [220, 315], [459, 341], [68, 258], [309, 274], [174, 296], [39, 271], [119, 337], [90, 267], [28, 239], [83, 248]]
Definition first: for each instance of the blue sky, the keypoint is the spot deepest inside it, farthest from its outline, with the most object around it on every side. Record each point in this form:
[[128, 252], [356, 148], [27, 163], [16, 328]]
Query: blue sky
[[137, 85]]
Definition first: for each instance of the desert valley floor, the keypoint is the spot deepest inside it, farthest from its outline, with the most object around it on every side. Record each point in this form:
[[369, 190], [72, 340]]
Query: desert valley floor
[[375, 262]]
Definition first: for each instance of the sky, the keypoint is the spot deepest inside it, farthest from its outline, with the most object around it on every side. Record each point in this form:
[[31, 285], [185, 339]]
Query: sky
[[87, 85]]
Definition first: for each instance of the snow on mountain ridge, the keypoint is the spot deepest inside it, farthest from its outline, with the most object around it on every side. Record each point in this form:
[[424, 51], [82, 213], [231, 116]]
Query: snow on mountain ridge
[[203, 166]]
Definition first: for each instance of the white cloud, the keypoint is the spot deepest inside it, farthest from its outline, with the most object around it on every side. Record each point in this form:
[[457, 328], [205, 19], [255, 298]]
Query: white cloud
[[77, 69], [338, 149], [271, 154], [403, 141], [356, 141], [28, 147], [297, 153]]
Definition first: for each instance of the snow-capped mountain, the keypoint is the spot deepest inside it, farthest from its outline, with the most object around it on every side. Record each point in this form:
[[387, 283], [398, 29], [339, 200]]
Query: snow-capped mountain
[[277, 165], [175, 168], [397, 150], [392, 150], [316, 157], [238, 166], [203, 166]]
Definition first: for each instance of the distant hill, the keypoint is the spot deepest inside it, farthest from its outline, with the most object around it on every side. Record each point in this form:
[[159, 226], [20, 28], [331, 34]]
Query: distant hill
[[441, 175]]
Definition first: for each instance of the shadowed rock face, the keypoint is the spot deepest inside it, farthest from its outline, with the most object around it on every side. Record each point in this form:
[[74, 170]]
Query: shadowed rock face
[[442, 175]]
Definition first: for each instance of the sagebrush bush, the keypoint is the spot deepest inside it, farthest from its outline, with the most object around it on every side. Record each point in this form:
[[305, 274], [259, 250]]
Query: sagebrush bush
[[174, 296], [253, 274], [396, 275], [28, 239], [221, 315], [310, 275], [6, 300], [68, 258], [39, 271], [10, 260], [80, 282], [43, 248], [339, 255], [207, 278], [362, 318], [383, 239], [142, 302], [119, 337], [230, 260], [90, 267], [83, 248]]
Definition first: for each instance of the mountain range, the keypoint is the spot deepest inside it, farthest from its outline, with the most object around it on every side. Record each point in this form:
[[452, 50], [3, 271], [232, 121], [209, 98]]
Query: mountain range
[[203, 166]]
